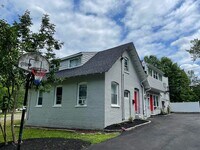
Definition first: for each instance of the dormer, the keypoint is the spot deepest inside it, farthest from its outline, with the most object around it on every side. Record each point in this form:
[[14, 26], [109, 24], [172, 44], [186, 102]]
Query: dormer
[[75, 60], [152, 71]]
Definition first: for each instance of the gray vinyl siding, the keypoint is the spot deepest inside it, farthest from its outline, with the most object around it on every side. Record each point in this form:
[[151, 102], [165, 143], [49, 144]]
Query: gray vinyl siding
[[68, 115], [86, 56], [131, 81]]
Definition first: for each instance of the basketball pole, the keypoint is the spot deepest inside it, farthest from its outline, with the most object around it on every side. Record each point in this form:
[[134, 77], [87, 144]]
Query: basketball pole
[[28, 81]]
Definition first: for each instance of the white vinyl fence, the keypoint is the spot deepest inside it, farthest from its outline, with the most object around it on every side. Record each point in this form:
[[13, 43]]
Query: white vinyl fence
[[185, 107]]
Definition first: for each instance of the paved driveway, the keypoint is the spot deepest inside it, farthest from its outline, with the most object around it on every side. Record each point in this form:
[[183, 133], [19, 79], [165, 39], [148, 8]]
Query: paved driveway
[[172, 132]]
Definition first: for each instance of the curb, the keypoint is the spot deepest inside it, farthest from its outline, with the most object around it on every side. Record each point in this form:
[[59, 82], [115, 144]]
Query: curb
[[128, 129], [131, 128]]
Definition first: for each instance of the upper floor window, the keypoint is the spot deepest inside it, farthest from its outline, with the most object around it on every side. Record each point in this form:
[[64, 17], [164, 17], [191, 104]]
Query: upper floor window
[[160, 77], [39, 98], [150, 71], [155, 74], [82, 94], [126, 64], [74, 62], [114, 93], [58, 95]]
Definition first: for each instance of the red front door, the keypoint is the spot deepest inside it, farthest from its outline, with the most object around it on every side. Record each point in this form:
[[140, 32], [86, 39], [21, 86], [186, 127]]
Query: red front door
[[151, 102], [135, 98], [137, 102]]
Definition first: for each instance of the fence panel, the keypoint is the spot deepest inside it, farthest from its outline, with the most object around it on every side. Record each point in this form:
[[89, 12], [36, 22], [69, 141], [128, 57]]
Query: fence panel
[[185, 107]]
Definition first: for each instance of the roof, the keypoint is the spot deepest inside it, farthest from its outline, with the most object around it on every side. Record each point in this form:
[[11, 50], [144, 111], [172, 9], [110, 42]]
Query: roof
[[102, 61], [99, 63], [154, 68]]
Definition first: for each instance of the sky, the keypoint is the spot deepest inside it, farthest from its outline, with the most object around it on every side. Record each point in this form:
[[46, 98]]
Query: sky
[[156, 27]]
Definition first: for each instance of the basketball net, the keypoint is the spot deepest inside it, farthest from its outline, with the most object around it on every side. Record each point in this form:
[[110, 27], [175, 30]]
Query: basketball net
[[38, 75]]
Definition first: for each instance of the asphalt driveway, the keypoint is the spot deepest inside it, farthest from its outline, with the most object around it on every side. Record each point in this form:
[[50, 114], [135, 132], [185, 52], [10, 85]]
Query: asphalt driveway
[[172, 132]]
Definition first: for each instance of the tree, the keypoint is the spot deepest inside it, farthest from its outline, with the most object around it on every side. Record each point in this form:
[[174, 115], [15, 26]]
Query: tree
[[195, 49], [178, 80], [17, 39]]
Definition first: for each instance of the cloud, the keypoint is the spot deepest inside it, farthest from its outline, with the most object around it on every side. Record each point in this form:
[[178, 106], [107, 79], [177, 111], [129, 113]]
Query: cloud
[[161, 28]]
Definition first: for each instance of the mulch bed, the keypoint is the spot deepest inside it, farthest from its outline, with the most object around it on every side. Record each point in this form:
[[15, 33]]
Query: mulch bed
[[48, 144], [125, 125]]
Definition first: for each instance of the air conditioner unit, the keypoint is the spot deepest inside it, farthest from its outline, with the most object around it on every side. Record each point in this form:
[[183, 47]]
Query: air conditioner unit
[[81, 102]]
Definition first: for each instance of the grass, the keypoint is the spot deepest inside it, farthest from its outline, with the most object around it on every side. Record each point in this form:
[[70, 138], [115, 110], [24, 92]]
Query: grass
[[30, 133]]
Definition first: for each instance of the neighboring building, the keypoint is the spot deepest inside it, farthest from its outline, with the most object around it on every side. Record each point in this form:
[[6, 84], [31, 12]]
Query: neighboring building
[[158, 94], [98, 89]]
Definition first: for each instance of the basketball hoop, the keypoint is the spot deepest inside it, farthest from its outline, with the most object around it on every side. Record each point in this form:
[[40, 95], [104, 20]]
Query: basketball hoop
[[36, 64], [38, 75]]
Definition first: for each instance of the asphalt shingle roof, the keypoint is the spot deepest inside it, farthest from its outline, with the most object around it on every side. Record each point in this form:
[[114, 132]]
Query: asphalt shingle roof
[[99, 63]]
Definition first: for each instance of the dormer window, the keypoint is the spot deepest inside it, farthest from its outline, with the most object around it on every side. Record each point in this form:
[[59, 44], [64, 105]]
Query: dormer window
[[74, 62], [126, 61]]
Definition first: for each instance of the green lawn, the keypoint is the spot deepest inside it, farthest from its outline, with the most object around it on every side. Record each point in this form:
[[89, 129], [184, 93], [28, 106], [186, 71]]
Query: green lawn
[[49, 133]]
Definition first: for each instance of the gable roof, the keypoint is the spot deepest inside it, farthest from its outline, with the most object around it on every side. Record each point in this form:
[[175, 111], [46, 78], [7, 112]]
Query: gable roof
[[102, 61]]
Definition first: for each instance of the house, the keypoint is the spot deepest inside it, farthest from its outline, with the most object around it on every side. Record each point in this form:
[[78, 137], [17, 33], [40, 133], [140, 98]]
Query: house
[[158, 94], [98, 89]]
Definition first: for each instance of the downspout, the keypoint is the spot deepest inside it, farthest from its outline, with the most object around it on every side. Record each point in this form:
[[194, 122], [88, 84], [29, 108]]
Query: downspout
[[122, 88]]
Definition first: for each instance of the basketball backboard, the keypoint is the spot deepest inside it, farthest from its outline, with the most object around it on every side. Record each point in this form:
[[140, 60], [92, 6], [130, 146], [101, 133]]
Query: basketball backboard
[[33, 61]]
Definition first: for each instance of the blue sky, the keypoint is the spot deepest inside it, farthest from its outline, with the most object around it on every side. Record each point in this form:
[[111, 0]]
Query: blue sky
[[156, 27]]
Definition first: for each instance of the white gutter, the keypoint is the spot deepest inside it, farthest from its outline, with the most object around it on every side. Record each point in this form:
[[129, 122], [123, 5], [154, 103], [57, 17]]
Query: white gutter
[[144, 94]]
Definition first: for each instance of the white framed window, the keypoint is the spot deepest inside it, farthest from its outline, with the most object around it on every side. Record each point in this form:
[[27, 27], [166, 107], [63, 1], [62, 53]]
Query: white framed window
[[114, 94], [126, 93], [150, 71], [160, 77], [155, 74], [126, 64], [74, 62], [82, 94], [58, 96], [155, 101], [39, 98]]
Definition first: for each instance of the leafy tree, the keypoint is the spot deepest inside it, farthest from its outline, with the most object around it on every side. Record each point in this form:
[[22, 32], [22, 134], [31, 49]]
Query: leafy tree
[[153, 60], [17, 39], [178, 80], [195, 49]]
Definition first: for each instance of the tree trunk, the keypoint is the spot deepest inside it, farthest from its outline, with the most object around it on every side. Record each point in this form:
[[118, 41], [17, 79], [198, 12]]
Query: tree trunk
[[5, 127], [13, 113], [2, 131]]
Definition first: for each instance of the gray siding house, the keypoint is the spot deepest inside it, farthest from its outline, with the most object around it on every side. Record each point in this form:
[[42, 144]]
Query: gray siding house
[[98, 89], [158, 95]]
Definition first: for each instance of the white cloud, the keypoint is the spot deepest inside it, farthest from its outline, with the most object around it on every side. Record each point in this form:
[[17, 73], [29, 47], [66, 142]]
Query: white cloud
[[162, 28]]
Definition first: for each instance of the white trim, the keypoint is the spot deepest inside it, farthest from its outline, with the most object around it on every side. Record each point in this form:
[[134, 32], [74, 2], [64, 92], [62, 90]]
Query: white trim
[[115, 105], [37, 98], [77, 99], [126, 59], [55, 90], [74, 58], [80, 106]]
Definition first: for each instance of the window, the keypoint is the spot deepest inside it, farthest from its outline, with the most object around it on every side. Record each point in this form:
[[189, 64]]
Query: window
[[82, 94], [126, 93], [155, 74], [126, 61], [156, 102], [160, 77], [58, 96], [150, 71], [39, 98], [114, 93], [74, 62]]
